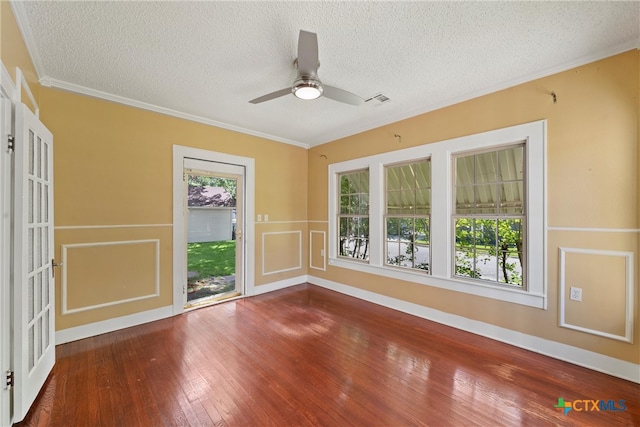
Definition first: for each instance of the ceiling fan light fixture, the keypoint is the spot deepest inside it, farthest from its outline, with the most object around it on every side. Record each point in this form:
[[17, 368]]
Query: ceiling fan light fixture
[[307, 89]]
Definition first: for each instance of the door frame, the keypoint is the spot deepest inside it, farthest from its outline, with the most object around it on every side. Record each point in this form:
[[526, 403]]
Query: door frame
[[180, 153], [6, 217]]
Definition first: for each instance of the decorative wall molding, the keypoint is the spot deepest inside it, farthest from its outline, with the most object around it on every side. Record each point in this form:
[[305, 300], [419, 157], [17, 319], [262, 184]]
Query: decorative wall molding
[[585, 358], [65, 269], [295, 267], [595, 230], [281, 222], [93, 227], [628, 256], [323, 267]]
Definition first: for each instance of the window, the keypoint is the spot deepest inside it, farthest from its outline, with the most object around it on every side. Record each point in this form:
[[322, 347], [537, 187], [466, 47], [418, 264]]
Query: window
[[489, 216], [469, 212], [353, 217], [408, 207]]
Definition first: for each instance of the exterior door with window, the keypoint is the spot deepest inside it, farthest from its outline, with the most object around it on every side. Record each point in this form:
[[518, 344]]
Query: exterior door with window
[[214, 247], [33, 283]]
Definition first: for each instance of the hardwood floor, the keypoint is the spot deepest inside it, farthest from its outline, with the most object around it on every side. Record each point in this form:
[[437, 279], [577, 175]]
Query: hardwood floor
[[309, 356]]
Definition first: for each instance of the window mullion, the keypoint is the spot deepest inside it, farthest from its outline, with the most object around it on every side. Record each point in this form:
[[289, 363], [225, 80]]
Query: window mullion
[[376, 214], [440, 218]]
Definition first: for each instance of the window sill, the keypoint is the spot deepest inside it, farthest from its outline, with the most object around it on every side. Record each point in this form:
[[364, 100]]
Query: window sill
[[515, 296]]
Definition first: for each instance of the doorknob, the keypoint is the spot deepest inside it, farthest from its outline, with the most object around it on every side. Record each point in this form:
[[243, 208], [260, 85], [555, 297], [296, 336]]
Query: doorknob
[[53, 265]]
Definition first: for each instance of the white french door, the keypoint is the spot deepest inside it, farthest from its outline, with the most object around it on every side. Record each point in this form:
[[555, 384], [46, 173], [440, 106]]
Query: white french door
[[33, 283]]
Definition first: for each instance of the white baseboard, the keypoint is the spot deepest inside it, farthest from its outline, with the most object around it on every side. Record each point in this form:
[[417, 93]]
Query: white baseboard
[[110, 325], [577, 356], [281, 284]]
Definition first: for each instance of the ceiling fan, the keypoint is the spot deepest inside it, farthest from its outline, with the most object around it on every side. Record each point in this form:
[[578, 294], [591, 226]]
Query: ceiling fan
[[307, 85]]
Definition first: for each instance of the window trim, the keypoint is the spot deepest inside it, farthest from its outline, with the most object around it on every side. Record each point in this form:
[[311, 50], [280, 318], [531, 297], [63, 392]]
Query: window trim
[[534, 136]]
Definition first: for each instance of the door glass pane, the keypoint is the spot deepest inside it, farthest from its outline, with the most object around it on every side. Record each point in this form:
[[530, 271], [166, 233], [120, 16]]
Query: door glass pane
[[45, 286], [46, 203], [39, 339], [45, 160], [37, 248], [31, 351], [39, 157], [45, 331], [30, 250], [45, 245], [30, 202], [38, 202], [38, 295], [31, 293], [31, 165]]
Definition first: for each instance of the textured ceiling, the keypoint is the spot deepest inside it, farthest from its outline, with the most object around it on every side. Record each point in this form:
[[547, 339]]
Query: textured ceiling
[[206, 60]]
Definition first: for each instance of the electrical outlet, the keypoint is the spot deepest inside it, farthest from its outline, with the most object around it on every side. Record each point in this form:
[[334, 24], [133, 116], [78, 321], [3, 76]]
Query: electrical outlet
[[266, 217], [575, 294], [259, 217]]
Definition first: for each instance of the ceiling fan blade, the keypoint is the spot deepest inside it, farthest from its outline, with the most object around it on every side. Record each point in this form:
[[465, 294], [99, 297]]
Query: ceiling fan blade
[[341, 95], [308, 61], [272, 95]]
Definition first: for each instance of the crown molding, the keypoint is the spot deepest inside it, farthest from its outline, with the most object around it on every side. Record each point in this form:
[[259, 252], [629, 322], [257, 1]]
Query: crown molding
[[22, 20], [71, 87], [587, 59]]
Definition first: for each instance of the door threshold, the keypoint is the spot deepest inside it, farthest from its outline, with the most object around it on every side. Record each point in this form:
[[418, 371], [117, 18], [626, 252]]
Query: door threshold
[[207, 301]]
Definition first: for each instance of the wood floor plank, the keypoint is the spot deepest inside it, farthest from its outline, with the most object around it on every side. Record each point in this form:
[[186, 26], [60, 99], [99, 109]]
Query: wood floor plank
[[307, 356]]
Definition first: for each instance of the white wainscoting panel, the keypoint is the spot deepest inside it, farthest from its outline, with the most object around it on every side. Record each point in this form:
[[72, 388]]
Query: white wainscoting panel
[[628, 286], [322, 235], [67, 264], [296, 265]]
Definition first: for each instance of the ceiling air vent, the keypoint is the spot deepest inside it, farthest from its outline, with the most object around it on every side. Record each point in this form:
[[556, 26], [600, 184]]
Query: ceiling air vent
[[378, 99]]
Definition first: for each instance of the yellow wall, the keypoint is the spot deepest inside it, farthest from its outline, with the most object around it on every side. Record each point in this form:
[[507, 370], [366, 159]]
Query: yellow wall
[[592, 183], [13, 52]]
